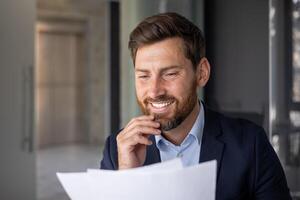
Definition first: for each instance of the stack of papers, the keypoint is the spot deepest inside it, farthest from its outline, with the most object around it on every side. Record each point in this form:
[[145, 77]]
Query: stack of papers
[[161, 181]]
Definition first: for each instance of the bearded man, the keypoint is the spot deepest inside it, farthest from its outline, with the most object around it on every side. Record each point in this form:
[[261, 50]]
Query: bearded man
[[168, 52]]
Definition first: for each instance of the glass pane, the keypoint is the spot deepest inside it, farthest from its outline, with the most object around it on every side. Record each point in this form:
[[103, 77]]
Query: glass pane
[[284, 123], [296, 51], [296, 85], [295, 118], [294, 149]]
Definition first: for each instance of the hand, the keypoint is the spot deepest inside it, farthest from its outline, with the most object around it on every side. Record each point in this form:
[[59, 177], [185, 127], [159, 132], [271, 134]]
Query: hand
[[132, 141]]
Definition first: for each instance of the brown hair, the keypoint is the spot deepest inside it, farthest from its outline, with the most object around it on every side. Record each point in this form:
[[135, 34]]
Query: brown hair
[[167, 25]]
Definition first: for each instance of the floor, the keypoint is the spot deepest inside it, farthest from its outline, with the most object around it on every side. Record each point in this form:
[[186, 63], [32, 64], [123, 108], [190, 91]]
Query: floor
[[70, 158]]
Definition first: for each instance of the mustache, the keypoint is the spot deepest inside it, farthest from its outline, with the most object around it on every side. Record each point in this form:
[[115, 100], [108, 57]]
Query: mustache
[[159, 99]]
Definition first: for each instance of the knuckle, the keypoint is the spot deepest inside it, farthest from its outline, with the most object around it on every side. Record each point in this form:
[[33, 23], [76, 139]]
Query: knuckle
[[134, 119], [119, 138], [134, 139], [137, 138], [139, 128]]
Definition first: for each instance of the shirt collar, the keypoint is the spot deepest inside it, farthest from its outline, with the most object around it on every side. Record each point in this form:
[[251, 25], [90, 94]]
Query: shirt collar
[[196, 131]]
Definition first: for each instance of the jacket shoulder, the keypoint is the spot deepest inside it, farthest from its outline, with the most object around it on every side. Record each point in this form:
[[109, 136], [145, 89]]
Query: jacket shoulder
[[110, 155]]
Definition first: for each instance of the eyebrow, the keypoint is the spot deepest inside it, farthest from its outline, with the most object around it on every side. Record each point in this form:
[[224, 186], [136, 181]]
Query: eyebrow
[[162, 70]]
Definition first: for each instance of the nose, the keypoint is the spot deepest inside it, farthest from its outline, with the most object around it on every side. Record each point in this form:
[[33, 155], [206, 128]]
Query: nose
[[156, 88]]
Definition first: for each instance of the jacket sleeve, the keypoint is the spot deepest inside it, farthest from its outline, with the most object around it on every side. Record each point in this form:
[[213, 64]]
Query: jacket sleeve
[[270, 181], [106, 162]]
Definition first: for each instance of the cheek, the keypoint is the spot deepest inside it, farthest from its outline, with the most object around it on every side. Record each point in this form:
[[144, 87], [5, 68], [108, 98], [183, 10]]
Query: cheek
[[179, 89], [140, 92], [184, 91]]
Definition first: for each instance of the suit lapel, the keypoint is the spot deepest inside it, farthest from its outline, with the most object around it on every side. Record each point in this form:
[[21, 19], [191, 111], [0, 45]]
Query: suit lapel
[[211, 146], [152, 155]]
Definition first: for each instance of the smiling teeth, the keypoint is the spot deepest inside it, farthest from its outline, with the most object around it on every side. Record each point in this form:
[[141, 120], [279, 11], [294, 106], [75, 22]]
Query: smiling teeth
[[161, 105]]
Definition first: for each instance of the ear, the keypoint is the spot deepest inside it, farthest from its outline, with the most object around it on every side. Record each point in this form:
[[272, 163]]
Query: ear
[[203, 72]]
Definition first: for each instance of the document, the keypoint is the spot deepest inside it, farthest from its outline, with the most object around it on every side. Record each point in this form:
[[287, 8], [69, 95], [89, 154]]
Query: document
[[166, 180]]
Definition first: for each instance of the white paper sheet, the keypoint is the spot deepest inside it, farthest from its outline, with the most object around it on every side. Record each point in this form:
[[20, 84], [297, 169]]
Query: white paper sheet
[[165, 166], [76, 185], [166, 180]]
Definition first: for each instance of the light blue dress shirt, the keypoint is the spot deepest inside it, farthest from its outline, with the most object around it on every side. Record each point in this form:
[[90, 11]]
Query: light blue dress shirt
[[189, 149]]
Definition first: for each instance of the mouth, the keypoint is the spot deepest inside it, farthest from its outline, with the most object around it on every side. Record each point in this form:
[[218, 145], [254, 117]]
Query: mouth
[[161, 106]]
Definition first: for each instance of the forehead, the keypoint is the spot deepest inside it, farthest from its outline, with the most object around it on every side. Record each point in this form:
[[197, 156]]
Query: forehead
[[165, 53]]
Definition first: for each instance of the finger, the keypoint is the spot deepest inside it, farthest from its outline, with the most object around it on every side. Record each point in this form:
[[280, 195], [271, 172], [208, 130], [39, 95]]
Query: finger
[[149, 123], [137, 139], [143, 127], [141, 118], [141, 130]]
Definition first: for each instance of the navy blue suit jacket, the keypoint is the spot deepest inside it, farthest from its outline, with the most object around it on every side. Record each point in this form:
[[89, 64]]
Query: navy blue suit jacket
[[248, 167]]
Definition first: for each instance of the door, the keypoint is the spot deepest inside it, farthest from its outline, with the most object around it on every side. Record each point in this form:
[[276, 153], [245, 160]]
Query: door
[[17, 165], [60, 83]]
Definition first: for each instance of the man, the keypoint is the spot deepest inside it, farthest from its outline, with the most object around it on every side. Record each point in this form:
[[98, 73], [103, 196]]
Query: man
[[170, 65]]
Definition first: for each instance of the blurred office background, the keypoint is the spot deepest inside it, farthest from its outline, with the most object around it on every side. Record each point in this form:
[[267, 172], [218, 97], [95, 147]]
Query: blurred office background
[[67, 80]]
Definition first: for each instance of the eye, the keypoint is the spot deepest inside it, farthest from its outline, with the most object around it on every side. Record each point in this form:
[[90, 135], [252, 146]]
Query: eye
[[143, 76], [172, 74]]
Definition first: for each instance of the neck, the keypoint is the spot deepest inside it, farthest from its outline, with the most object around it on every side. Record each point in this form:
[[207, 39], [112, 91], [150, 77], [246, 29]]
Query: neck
[[177, 135]]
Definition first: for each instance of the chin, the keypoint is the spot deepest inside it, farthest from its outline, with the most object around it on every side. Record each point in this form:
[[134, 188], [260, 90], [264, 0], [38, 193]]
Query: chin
[[170, 123]]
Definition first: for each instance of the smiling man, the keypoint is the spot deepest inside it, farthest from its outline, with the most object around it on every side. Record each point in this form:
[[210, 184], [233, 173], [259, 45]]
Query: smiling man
[[170, 65]]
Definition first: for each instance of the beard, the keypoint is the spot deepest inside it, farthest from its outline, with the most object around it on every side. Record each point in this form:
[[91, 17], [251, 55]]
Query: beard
[[179, 114]]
